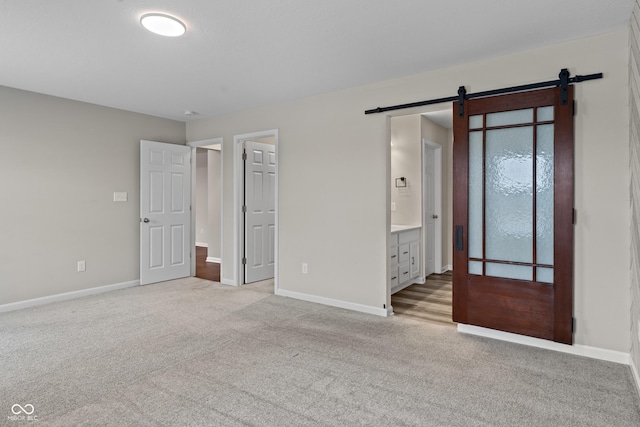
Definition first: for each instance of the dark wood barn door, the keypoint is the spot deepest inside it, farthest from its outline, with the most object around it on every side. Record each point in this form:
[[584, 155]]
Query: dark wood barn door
[[513, 214]]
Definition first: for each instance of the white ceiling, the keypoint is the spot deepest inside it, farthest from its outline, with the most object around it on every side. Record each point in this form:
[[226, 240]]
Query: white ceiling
[[240, 54]]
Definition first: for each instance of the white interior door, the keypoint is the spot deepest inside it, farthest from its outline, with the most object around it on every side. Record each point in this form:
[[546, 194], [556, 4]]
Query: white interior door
[[431, 216], [260, 218], [165, 211]]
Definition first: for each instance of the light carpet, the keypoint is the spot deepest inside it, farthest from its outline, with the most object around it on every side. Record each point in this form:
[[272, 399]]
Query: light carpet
[[197, 353]]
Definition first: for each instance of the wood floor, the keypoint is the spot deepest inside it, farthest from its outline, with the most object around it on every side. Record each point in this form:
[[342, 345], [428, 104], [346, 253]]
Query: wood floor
[[206, 270], [430, 302]]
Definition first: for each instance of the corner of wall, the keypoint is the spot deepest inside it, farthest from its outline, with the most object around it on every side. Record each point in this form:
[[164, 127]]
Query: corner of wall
[[634, 156]]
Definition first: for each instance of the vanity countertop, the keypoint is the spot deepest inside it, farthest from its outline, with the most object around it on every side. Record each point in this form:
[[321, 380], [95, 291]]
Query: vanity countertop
[[396, 228]]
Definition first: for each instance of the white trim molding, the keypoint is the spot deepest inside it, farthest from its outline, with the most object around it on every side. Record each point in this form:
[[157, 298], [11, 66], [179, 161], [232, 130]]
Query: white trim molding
[[202, 245], [66, 296], [446, 268], [228, 282], [577, 349], [334, 302], [636, 376], [213, 259]]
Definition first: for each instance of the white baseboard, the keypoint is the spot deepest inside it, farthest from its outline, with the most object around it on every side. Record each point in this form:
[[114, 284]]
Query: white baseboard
[[229, 282], [213, 259], [66, 296], [634, 371], [577, 349], [202, 245], [446, 268], [333, 302]]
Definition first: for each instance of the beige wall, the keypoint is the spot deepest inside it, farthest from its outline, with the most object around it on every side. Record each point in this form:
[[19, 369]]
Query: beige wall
[[406, 161], [433, 132], [61, 162], [334, 182]]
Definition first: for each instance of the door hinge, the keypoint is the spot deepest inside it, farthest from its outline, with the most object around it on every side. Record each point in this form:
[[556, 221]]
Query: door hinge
[[244, 154], [244, 261], [575, 107], [244, 208], [574, 220], [573, 324]]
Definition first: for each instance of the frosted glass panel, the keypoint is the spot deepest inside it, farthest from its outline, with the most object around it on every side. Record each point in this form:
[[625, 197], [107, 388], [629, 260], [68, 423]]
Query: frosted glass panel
[[510, 117], [475, 122], [508, 271], [475, 267], [544, 195], [509, 194], [475, 195], [544, 275], [545, 114]]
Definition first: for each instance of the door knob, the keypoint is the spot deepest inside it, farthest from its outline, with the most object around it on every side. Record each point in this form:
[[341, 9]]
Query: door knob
[[435, 216], [145, 220]]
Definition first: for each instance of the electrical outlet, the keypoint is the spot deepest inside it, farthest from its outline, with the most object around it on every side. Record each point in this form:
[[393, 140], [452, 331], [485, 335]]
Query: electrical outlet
[[305, 268], [82, 266]]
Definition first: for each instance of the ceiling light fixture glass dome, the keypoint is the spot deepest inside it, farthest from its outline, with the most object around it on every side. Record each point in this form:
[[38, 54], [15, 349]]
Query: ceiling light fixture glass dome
[[163, 24]]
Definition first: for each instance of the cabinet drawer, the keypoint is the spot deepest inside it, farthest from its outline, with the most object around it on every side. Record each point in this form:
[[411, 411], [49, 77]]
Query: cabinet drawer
[[403, 253], [394, 256], [394, 277], [404, 272], [408, 236]]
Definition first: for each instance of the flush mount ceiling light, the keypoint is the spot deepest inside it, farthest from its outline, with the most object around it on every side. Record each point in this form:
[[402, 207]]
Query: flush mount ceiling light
[[163, 24]]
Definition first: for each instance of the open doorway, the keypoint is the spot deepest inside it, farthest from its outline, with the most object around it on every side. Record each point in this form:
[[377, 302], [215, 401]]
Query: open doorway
[[207, 208], [421, 198]]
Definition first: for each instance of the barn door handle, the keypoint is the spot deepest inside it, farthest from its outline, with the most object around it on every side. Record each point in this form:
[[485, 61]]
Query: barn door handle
[[459, 244]]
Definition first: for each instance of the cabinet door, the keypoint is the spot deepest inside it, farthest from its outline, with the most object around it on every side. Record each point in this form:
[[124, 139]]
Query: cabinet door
[[414, 261]]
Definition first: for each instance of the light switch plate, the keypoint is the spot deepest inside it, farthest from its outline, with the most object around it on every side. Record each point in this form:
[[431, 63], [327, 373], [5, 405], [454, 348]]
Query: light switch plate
[[393, 206], [120, 196]]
